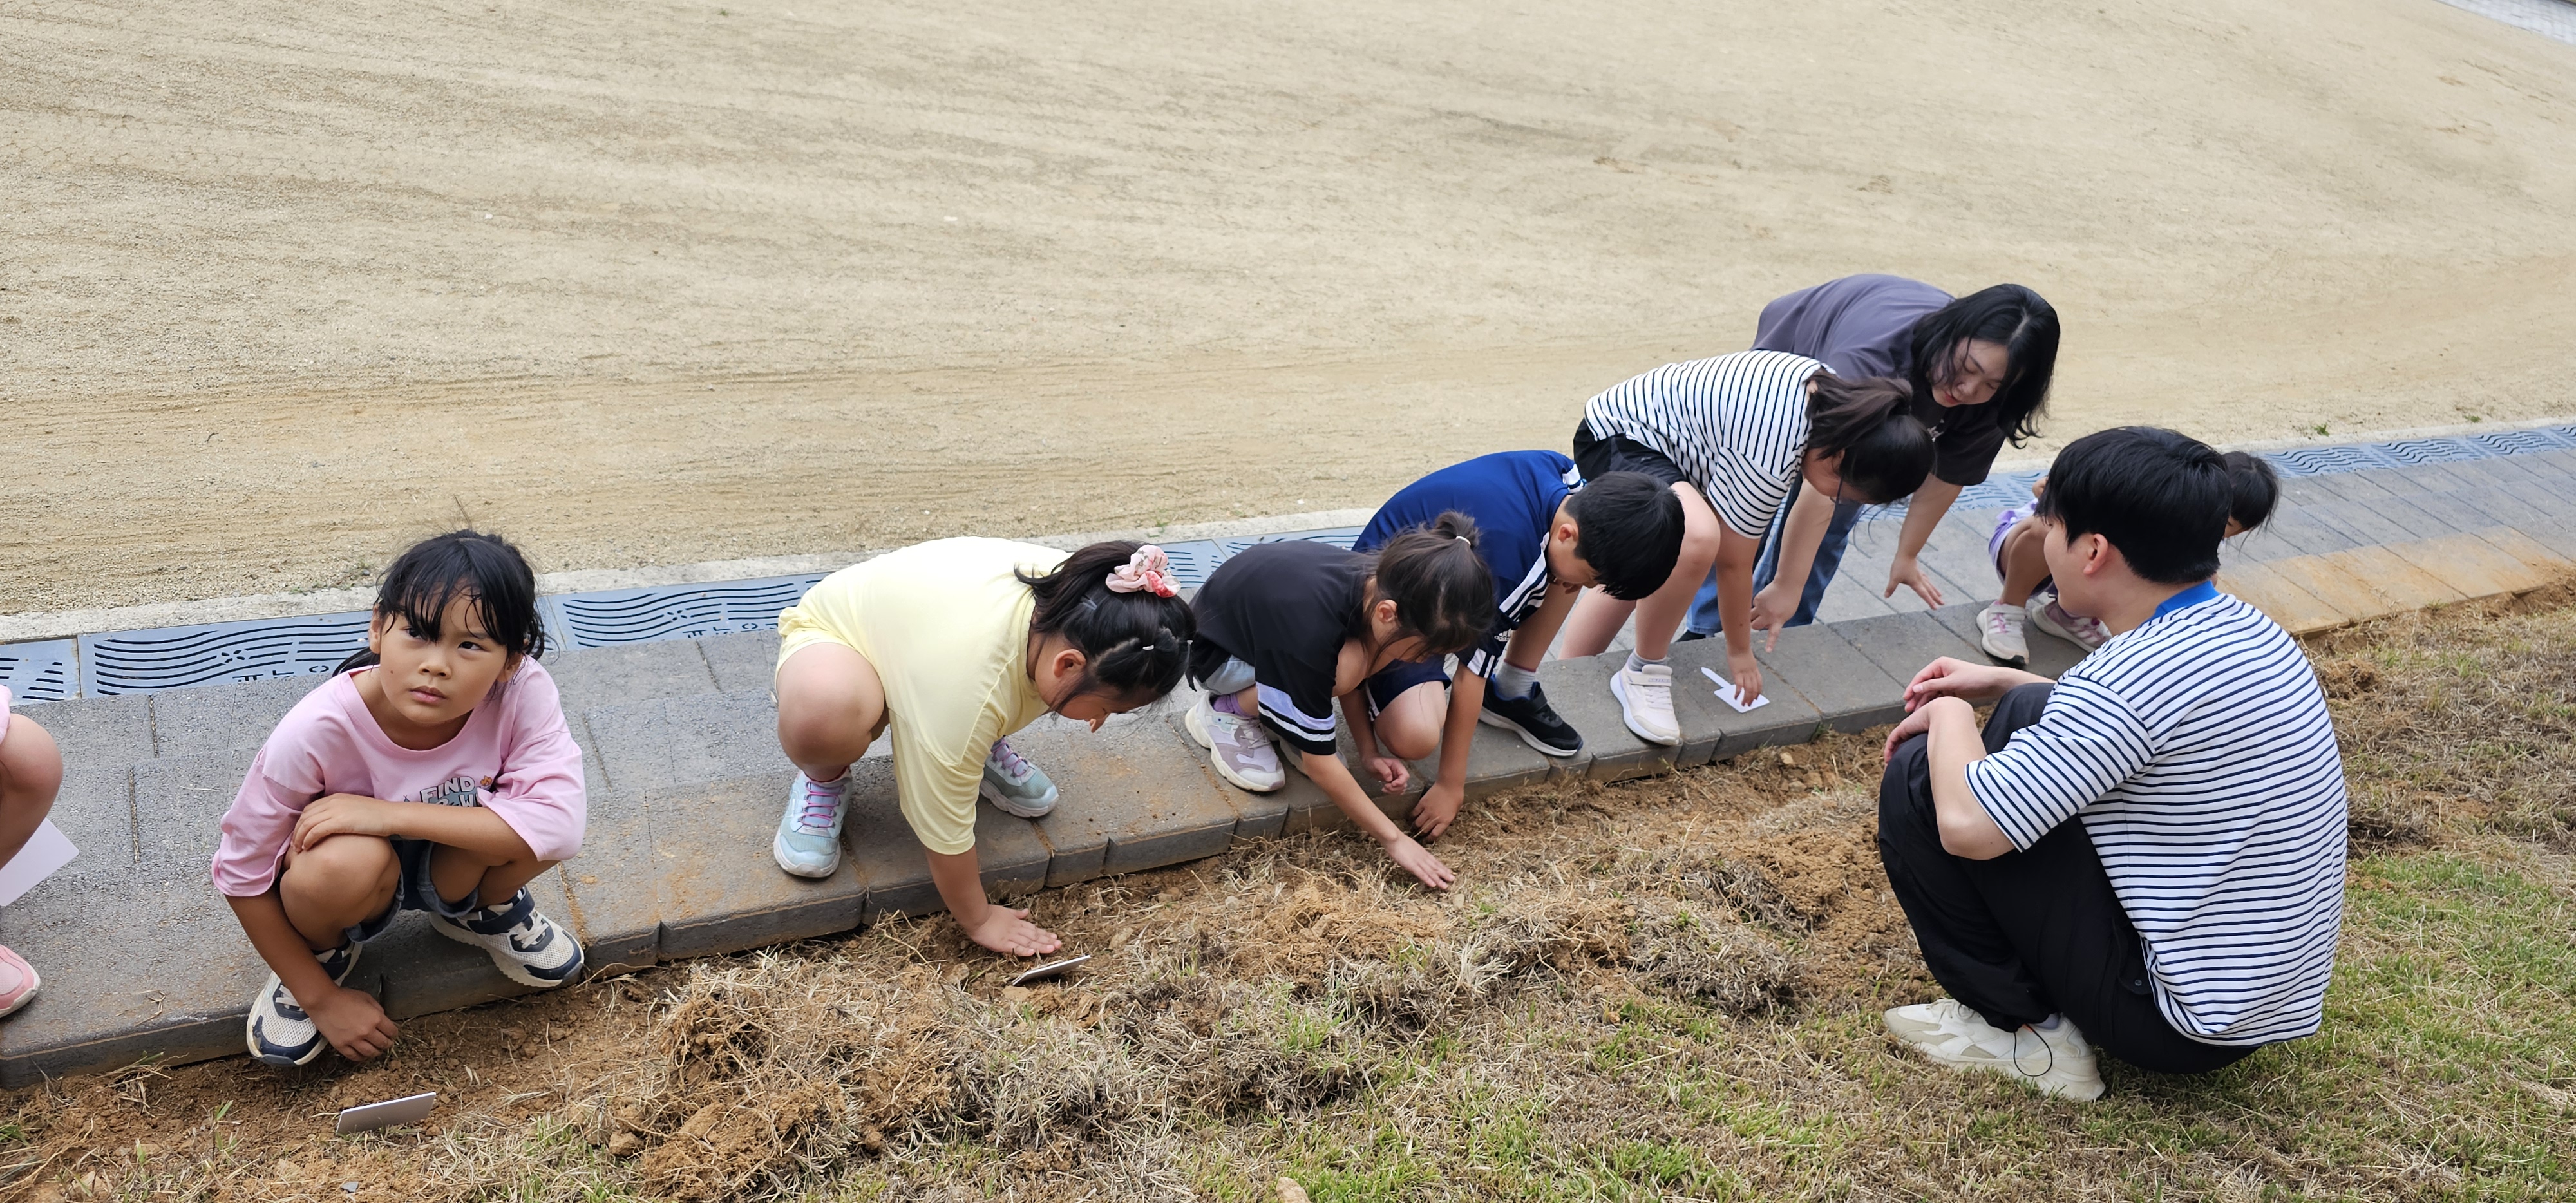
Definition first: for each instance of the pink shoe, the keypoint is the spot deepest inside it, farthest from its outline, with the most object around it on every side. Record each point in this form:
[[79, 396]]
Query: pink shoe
[[18, 982], [2048, 616]]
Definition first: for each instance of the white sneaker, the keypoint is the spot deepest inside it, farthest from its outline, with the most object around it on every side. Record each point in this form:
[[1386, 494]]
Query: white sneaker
[[1238, 747], [2055, 619], [2057, 1063], [1999, 628], [527, 947], [1645, 694]]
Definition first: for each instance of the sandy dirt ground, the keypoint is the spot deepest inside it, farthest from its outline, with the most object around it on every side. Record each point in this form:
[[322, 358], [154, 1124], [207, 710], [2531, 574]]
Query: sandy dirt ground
[[642, 283]]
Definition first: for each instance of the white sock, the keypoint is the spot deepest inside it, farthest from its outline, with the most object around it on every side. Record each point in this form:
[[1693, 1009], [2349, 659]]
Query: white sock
[[1513, 681]]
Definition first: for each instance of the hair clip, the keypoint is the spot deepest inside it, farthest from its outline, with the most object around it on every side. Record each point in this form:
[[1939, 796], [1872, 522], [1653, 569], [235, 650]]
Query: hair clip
[[1148, 571]]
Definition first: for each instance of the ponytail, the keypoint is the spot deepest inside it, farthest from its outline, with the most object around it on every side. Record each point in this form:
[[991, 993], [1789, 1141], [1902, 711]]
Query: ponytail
[[1886, 451], [1442, 590], [2253, 488], [1134, 637]]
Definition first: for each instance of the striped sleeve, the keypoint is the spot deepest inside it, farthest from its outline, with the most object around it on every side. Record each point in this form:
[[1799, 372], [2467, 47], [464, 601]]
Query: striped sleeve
[[2086, 742]]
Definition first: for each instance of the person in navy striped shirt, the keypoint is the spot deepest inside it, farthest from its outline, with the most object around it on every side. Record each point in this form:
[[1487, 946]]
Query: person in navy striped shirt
[[2148, 853]]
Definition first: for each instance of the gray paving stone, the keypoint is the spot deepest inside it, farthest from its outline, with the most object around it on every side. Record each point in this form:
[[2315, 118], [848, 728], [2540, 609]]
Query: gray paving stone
[[2439, 478], [2050, 656], [590, 678], [2508, 507], [1120, 781], [743, 662], [1711, 729], [2304, 529], [2352, 486], [2305, 490], [2454, 512], [720, 888], [1846, 599], [1901, 645], [613, 893], [2403, 482], [1011, 856], [2266, 542], [177, 989], [1847, 690], [2505, 471], [1498, 760], [1580, 691], [102, 732], [217, 718], [2396, 520], [179, 804], [95, 811], [676, 741]]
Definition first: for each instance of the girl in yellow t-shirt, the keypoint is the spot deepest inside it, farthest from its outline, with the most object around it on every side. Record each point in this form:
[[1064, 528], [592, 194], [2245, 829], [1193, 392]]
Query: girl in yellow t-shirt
[[951, 646]]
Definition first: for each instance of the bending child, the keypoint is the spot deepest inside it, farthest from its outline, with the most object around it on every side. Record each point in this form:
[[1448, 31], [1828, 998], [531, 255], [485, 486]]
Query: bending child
[[1286, 629], [1545, 535], [31, 773], [1730, 436], [432, 772], [2029, 594], [951, 646]]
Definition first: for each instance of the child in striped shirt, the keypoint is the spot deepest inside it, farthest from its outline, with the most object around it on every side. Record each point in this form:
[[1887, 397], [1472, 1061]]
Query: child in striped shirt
[[2147, 855]]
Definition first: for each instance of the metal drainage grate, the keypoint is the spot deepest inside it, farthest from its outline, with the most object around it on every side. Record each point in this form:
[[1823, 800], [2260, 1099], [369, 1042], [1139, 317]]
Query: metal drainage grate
[[220, 653], [39, 672], [612, 617], [2554, 19], [1193, 561], [1339, 536]]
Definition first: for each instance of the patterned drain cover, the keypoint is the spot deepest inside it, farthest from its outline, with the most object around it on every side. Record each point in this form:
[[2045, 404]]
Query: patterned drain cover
[[220, 653], [619, 616], [39, 672]]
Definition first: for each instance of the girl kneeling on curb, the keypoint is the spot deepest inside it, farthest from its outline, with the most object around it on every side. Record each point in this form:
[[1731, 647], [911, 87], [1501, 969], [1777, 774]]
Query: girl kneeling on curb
[[433, 772], [954, 645], [1286, 628]]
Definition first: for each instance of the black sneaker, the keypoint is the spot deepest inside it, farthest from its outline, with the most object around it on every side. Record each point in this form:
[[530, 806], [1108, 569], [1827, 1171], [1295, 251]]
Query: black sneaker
[[1536, 722]]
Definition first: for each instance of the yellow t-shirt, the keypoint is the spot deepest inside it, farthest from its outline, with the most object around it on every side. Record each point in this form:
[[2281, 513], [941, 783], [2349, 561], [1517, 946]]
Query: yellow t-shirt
[[946, 625]]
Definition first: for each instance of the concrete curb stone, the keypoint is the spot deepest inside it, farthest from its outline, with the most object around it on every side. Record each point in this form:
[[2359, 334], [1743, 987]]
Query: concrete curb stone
[[720, 890], [1580, 691], [1711, 729], [590, 678], [223, 718], [1847, 690]]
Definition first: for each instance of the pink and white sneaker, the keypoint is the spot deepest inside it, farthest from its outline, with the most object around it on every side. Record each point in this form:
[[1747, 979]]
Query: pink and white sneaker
[[18, 982], [2048, 616]]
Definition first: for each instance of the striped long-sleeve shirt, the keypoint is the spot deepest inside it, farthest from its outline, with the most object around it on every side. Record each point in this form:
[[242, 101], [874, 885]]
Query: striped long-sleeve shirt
[[2198, 753], [1735, 425]]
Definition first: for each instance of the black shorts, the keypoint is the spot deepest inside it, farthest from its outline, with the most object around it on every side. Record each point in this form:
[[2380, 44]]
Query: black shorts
[[1619, 453], [1391, 682]]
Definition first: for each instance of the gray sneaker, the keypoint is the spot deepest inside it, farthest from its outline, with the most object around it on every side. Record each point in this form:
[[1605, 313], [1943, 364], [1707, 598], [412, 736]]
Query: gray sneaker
[[1015, 786], [1999, 631], [1238, 747], [809, 834]]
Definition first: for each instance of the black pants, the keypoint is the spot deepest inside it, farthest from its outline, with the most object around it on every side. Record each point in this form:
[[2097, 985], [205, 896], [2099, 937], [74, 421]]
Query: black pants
[[2028, 934]]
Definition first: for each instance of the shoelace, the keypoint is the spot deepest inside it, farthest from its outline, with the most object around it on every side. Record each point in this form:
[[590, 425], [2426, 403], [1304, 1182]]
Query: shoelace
[[821, 807], [2043, 1043], [1008, 760]]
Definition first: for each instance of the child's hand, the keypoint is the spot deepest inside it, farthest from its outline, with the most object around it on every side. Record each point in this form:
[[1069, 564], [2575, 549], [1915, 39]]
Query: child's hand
[[1949, 678], [1418, 861], [1438, 808], [1772, 609], [342, 814], [353, 1021], [1010, 933], [1390, 772], [1748, 673], [1908, 572]]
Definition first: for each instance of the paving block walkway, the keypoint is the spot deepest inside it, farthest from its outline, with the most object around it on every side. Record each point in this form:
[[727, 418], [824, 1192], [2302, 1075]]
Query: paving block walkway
[[142, 959]]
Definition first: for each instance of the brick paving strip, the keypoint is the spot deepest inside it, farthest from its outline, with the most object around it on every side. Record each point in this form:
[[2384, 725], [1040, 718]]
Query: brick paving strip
[[142, 959]]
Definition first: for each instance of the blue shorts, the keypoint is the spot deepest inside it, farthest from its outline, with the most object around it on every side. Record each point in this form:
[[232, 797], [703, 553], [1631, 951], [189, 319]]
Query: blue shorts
[[415, 892], [1390, 682]]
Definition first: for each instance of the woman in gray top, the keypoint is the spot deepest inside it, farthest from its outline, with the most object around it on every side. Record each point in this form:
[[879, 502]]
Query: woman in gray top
[[1980, 366]]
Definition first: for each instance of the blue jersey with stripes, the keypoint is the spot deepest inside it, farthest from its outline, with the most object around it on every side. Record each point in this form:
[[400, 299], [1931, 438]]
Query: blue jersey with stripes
[[2198, 753], [1513, 496]]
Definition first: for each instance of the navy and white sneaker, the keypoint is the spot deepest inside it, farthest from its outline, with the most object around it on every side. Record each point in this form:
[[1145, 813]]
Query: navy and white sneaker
[[1530, 717], [279, 1032], [528, 947]]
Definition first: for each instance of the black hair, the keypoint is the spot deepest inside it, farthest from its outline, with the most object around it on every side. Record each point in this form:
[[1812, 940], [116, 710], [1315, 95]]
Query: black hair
[[1886, 451], [2159, 496], [1133, 645], [2009, 314], [2253, 489], [1442, 589], [424, 580], [1628, 527]]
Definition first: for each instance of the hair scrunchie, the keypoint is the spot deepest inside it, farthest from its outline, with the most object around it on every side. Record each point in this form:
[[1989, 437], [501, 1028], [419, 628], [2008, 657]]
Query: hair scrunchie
[[1148, 571]]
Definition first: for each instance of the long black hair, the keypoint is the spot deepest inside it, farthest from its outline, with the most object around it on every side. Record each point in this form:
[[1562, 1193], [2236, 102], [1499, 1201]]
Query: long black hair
[[1442, 589], [1134, 645], [486, 568], [2253, 489], [1886, 452], [2009, 314]]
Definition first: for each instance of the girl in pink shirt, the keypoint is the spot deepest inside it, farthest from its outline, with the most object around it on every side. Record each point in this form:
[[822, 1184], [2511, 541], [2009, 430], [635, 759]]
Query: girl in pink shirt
[[31, 772], [433, 772]]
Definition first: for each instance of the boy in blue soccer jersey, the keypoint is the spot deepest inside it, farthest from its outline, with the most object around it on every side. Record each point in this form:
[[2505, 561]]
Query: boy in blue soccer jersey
[[2148, 852], [1547, 535]]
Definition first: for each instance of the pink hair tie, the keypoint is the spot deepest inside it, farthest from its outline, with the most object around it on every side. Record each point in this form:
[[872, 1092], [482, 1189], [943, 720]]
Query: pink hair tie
[[1149, 570]]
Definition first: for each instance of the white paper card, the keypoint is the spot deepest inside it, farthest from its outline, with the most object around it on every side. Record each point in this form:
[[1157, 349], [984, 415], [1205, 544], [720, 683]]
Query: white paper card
[[46, 851], [1732, 696]]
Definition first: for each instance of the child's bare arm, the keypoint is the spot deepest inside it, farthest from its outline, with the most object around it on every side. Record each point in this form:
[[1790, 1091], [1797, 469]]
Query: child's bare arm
[[31, 773], [473, 828], [1344, 789], [1440, 803], [352, 1020], [1388, 768], [1000, 928]]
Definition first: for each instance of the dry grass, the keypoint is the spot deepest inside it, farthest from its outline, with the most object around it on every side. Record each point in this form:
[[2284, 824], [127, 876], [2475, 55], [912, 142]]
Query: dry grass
[[1660, 989]]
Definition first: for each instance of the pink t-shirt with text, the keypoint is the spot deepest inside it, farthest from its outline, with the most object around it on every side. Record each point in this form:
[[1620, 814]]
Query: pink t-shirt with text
[[515, 757]]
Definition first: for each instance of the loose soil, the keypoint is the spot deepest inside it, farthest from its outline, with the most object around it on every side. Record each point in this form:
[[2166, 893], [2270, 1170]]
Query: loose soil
[[1656, 988], [652, 283]]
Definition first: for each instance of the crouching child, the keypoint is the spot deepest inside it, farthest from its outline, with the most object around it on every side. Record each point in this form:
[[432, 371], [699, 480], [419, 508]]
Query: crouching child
[[433, 772]]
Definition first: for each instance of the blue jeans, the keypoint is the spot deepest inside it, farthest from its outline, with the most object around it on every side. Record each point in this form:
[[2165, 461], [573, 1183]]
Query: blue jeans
[[1705, 616]]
